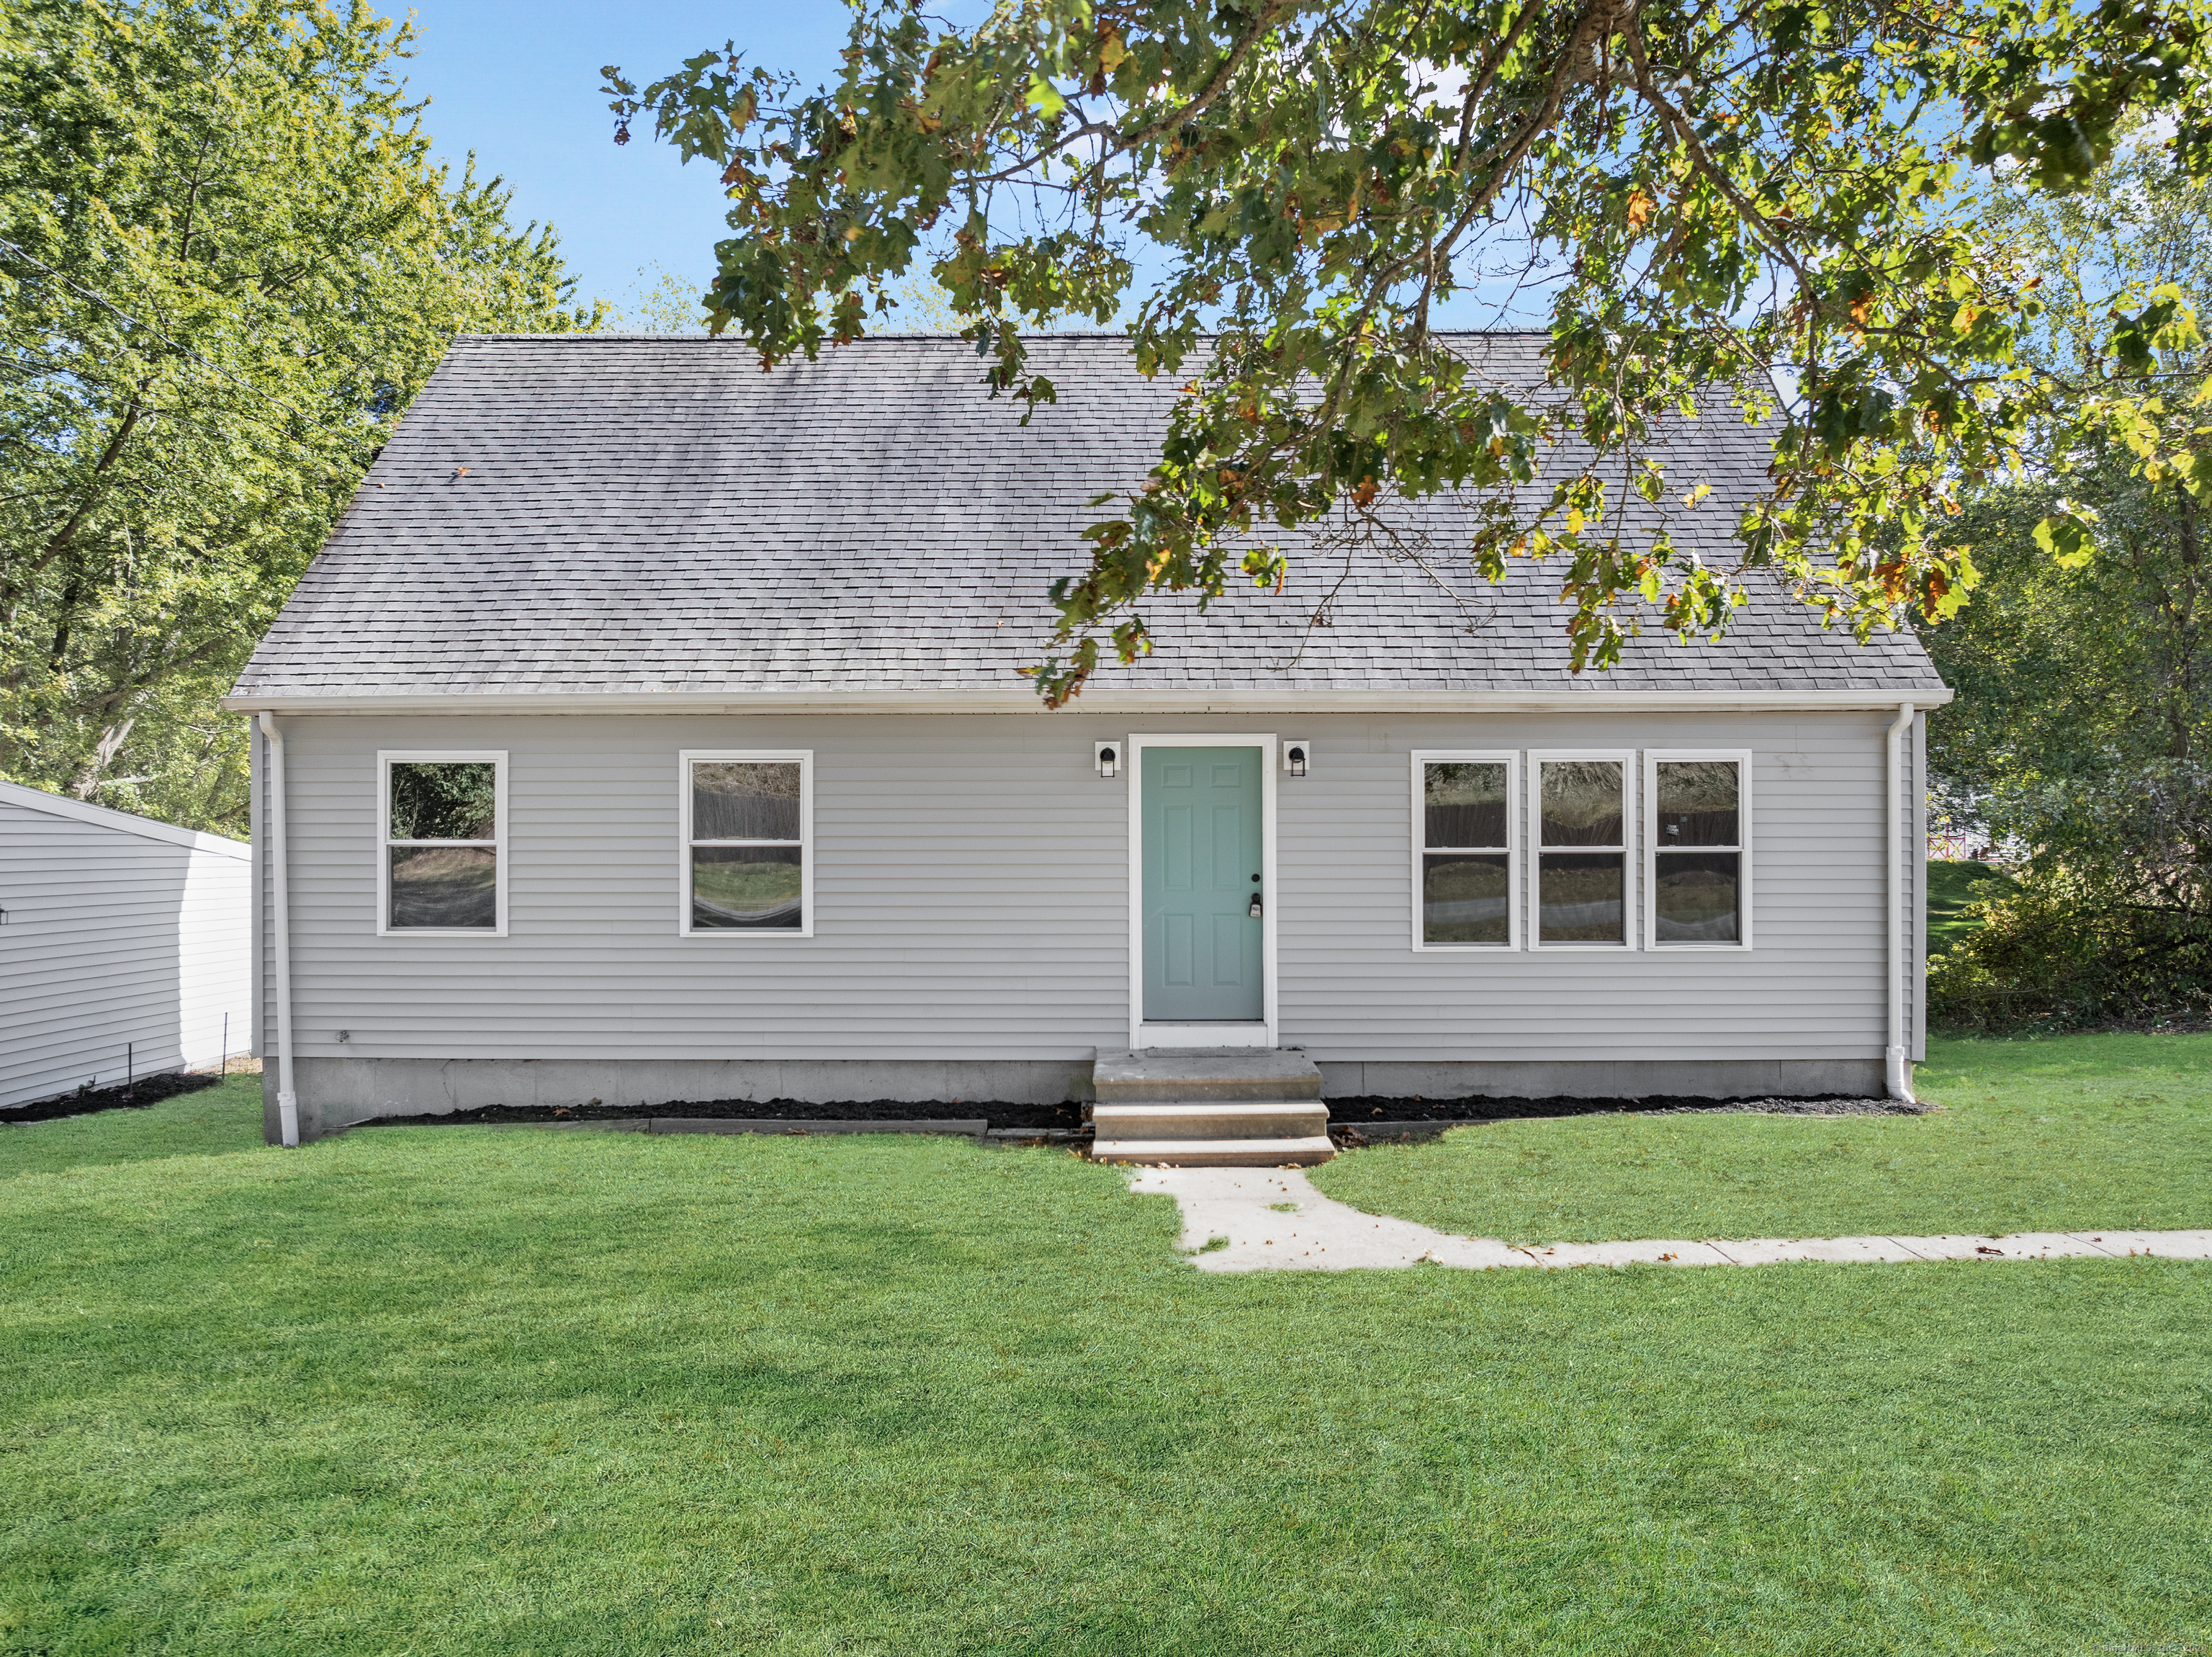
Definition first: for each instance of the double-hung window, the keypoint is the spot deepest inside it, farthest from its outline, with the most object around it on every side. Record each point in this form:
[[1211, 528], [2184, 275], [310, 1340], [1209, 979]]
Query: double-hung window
[[1464, 873], [444, 867], [1700, 840], [1581, 811], [748, 833]]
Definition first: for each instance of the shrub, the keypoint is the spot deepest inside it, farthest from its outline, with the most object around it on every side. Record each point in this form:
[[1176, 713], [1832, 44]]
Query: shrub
[[2063, 952]]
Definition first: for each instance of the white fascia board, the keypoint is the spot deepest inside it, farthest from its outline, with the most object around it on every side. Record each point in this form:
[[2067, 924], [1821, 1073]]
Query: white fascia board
[[1183, 703], [81, 811]]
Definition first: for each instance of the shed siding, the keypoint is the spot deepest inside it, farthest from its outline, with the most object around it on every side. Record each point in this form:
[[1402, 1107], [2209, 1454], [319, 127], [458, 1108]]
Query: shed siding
[[120, 953], [971, 883]]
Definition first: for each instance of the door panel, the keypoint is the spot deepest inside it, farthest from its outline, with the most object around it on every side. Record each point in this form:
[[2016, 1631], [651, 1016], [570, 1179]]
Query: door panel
[[1201, 849]]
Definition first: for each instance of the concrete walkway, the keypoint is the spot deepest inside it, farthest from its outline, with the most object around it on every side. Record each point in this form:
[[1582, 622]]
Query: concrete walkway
[[1275, 1220]]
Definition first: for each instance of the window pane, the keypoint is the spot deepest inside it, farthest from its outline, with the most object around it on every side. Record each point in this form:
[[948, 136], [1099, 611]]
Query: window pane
[[746, 887], [744, 799], [445, 887], [1694, 899], [1463, 805], [445, 800], [1697, 803], [1578, 899], [1466, 899], [1582, 802]]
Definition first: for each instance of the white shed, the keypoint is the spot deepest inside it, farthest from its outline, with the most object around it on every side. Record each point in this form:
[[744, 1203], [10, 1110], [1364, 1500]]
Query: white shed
[[125, 945]]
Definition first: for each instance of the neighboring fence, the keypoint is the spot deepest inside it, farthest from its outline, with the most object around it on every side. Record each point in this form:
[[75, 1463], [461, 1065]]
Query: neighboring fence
[[1971, 845], [126, 946]]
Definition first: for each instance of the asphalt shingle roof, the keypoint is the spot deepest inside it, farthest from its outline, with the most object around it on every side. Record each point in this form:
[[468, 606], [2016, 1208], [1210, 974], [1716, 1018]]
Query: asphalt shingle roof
[[642, 514]]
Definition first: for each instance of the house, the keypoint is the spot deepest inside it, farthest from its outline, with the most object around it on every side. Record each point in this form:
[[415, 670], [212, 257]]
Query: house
[[650, 728], [125, 946]]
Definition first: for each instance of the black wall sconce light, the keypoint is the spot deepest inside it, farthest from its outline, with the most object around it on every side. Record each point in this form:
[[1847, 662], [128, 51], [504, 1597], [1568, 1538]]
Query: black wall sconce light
[[1107, 756], [1297, 755]]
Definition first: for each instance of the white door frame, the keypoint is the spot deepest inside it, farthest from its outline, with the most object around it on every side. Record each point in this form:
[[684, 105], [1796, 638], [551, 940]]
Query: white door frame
[[1144, 1035]]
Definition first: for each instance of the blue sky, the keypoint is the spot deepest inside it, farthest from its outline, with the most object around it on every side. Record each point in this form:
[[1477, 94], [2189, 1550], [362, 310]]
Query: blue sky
[[518, 83]]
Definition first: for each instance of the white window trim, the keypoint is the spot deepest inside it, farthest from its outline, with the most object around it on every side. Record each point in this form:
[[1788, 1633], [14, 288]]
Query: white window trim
[[1144, 1034], [1426, 757], [1744, 832], [1631, 934], [804, 757], [386, 758]]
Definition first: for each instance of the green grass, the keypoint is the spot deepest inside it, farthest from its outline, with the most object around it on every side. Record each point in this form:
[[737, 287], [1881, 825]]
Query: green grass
[[460, 1391], [2032, 1136], [224, 1117], [1951, 888]]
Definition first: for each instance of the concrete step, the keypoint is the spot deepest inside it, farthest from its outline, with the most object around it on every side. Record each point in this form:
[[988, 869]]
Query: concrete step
[[1291, 1119], [1172, 1076], [1304, 1152]]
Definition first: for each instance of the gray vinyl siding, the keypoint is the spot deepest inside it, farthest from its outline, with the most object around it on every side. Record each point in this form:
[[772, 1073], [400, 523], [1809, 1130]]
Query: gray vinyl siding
[[1812, 987], [1915, 890], [972, 899], [121, 954], [265, 1038]]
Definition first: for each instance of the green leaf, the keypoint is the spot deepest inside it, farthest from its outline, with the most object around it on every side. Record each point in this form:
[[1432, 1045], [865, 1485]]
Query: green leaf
[[2068, 534]]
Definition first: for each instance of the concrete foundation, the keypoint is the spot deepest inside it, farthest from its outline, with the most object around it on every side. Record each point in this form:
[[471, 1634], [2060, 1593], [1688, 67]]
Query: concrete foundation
[[337, 1093], [1717, 1078]]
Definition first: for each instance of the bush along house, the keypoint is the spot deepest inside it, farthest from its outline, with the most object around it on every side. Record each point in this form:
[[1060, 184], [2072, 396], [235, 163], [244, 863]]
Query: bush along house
[[650, 728]]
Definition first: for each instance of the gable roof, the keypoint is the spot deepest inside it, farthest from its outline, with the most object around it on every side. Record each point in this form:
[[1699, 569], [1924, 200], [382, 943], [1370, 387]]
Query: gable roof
[[574, 519]]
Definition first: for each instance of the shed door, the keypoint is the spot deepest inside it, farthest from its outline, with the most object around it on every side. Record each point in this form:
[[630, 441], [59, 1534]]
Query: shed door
[[1202, 872]]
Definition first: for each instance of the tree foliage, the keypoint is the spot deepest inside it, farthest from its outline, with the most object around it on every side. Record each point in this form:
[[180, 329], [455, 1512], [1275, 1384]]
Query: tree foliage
[[2082, 736], [2084, 680], [226, 262], [1768, 210]]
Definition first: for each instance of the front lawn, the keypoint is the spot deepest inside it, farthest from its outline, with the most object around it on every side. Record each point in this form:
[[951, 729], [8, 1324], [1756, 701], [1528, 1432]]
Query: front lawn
[[458, 1391], [2054, 1134]]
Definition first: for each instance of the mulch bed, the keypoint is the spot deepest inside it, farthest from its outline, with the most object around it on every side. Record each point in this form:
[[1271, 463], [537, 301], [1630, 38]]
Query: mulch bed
[[136, 1096], [1378, 1107], [787, 1110], [1069, 1117]]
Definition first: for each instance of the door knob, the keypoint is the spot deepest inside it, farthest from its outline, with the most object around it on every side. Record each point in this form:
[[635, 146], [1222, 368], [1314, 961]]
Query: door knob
[[1255, 911]]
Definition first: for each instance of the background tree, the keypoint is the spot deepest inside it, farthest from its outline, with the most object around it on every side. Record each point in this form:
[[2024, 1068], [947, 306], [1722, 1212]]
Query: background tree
[[1773, 205], [226, 263], [2082, 732], [2068, 665], [659, 301]]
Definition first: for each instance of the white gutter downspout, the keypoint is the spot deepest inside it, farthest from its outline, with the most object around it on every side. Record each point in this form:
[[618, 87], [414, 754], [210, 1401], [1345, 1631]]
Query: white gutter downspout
[[287, 1102], [1898, 1066]]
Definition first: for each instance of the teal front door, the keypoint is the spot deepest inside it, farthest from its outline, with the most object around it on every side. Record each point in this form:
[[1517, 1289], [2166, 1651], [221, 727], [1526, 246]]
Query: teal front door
[[1203, 959]]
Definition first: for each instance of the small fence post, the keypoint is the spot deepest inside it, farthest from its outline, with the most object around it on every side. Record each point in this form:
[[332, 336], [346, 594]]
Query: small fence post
[[130, 1069], [223, 1069]]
